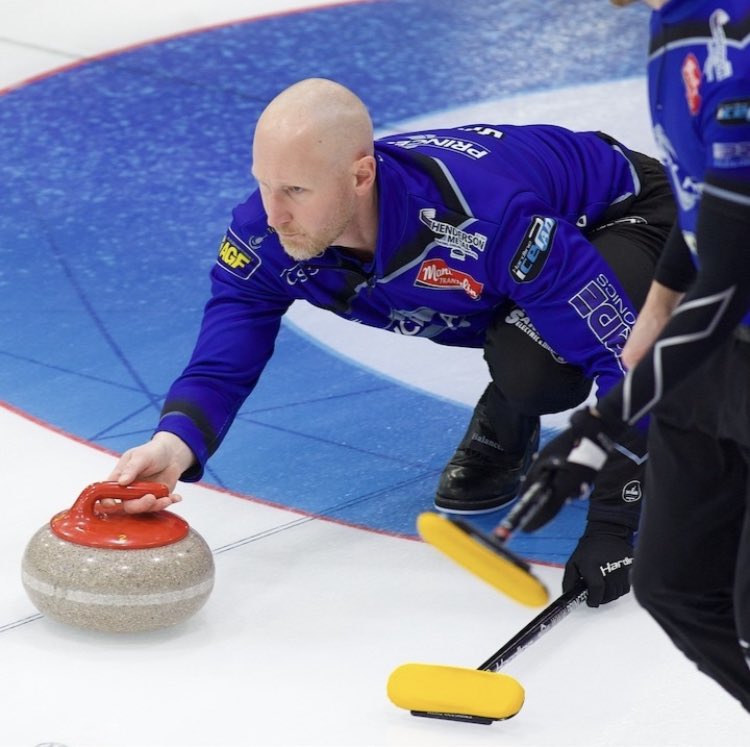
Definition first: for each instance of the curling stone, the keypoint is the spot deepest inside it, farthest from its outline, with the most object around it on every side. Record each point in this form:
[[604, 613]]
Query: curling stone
[[96, 567]]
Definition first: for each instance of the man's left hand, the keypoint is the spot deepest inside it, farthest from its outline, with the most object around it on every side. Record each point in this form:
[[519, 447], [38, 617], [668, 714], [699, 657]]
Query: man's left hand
[[602, 559]]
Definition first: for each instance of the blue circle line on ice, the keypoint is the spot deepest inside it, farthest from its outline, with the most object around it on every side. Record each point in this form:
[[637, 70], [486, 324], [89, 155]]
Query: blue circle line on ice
[[121, 173]]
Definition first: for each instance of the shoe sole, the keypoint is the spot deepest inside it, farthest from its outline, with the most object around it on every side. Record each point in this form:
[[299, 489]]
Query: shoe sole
[[464, 511]]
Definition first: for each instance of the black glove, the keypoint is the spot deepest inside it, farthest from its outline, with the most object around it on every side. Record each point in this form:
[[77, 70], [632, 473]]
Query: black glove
[[602, 559], [565, 468]]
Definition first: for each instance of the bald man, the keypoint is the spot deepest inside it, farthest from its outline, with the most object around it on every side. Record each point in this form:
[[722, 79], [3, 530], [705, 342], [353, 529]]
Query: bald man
[[325, 158], [536, 243]]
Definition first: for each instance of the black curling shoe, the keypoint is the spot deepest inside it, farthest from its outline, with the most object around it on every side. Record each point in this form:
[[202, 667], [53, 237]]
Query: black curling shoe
[[481, 476]]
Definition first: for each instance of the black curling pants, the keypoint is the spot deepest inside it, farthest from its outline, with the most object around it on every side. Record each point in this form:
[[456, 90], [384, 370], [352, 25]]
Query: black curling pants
[[692, 568]]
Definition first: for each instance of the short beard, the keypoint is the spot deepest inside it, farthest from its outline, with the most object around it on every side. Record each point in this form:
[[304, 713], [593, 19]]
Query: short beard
[[303, 247], [301, 252]]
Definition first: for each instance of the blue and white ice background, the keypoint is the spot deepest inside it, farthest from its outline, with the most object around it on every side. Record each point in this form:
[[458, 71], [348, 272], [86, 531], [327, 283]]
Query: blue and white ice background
[[118, 176]]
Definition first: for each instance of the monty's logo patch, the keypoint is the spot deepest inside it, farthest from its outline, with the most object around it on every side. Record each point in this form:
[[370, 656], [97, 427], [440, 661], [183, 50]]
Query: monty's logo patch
[[437, 274], [237, 257]]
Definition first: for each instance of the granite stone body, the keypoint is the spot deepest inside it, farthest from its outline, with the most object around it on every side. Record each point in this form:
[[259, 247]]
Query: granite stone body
[[117, 590]]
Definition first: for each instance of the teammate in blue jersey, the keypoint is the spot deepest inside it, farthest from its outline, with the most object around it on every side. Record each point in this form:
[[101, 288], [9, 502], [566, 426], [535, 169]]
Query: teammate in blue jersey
[[689, 355], [536, 243]]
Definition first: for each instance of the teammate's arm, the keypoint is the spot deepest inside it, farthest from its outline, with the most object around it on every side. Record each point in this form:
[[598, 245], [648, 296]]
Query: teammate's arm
[[674, 274], [714, 306]]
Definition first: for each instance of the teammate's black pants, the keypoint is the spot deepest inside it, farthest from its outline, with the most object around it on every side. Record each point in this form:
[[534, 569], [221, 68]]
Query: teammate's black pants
[[692, 568], [528, 381]]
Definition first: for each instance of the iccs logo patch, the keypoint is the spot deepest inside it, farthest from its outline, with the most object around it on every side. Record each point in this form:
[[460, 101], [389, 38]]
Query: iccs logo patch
[[237, 257]]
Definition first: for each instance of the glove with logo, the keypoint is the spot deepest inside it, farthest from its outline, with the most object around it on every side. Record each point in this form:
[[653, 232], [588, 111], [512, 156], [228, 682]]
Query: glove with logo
[[564, 469], [602, 559]]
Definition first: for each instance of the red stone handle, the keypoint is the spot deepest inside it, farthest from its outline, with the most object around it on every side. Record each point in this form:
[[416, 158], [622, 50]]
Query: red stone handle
[[84, 505], [111, 527]]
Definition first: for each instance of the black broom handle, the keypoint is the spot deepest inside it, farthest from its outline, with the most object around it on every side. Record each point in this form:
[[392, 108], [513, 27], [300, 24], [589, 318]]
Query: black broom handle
[[546, 619]]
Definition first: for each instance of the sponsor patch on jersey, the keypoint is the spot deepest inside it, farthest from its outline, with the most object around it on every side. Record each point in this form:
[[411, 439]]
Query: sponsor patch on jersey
[[483, 130], [533, 250], [632, 491], [608, 315], [733, 112], [730, 155], [437, 274], [691, 78], [717, 66], [237, 258], [521, 321], [424, 322], [300, 272], [467, 148], [461, 243]]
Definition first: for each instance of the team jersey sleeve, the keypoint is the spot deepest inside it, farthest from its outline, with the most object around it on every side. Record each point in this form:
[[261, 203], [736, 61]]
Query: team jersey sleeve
[[550, 269], [237, 335]]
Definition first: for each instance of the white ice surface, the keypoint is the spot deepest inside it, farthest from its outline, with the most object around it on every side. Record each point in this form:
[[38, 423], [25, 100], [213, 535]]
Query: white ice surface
[[306, 621]]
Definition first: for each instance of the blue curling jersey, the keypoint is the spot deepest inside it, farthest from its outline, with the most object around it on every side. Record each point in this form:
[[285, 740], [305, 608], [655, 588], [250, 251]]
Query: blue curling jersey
[[699, 95], [471, 220]]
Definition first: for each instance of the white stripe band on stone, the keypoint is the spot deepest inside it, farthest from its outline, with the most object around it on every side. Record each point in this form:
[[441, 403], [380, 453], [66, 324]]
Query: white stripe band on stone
[[116, 600]]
